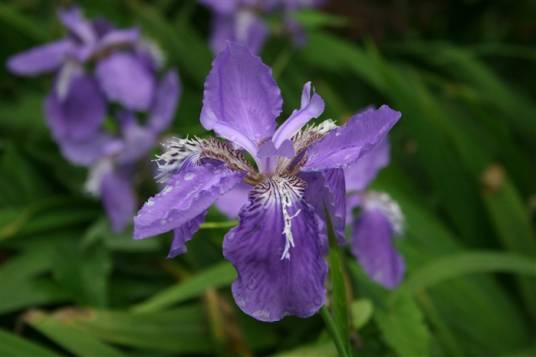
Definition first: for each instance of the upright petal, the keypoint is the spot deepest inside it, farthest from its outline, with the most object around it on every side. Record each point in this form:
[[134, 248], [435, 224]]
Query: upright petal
[[121, 37], [277, 250], [326, 191], [118, 198], [232, 202], [346, 144], [373, 246], [250, 30], [186, 195], [241, 96], [37, 60], [183, 234], [73, 19], [359, 174], [222, 6], [126, 80], [312, 106], [165, 102], [79, 115], [223, 31]]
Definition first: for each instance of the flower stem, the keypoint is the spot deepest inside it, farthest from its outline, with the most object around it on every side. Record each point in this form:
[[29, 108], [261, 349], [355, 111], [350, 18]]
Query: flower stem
[[334, 333]]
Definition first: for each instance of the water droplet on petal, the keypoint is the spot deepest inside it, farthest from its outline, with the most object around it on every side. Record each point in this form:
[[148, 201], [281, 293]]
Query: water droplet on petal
[[189, 176], [150, 203], [166, 190]]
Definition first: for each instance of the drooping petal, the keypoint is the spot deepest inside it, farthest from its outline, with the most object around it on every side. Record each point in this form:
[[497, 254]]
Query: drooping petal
[[118, 198], [73, 19], [186, 195], [373, 246], [165, 102], [277, 250], [346, 144], [326, 191], [359, 174], [79, 115], [183, 234], [37, 60], [312, 106], [86, 152], [126, 80], [232, 202], [241, 96]]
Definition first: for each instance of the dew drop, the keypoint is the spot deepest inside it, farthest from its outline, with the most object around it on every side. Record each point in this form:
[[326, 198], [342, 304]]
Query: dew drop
[[189, 176], [150, 203]]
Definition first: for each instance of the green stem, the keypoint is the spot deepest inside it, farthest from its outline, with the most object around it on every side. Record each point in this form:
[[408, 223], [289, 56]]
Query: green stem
[[332, 329]]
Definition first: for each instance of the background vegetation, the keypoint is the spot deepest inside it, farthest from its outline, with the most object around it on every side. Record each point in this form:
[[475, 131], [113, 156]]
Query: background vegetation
[[463, 169]]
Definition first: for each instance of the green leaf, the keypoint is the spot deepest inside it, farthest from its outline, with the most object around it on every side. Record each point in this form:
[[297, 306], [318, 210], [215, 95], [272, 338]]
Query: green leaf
[[59, 328], [403, 328], [462, 264], [12, 345], [30, 293], [338, 322], [179, 330], [217, 276]]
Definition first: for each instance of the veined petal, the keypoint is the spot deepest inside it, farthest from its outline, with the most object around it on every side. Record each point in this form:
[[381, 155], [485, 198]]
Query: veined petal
[[312, 106], [346, 144], [126, 80], [232, 202], [359, 174], [187, 194], [165, 102], [326, 191], [40, 59], [118, 198], [241, 97], [183, 234], [73, 19], [277, 250], [373, 246], [79, 115]]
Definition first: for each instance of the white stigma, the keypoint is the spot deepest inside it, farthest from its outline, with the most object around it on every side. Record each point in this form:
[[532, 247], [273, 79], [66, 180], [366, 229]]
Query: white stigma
[[286, 204], [384, 203]]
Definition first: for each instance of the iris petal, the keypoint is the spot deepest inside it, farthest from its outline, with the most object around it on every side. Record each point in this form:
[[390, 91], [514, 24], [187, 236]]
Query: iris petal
[[359, 174], [183, 234], [37, 60], [119, 199], [186, 195], [312, 106], [271, 285], [241, 97], [373, 246], [346, 144], [126, 80]]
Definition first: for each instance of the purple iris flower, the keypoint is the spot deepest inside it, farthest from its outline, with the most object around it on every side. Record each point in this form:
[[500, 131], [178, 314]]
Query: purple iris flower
[[124, 72], [241, 21], [378, 222], [294, 172], [96, 64]]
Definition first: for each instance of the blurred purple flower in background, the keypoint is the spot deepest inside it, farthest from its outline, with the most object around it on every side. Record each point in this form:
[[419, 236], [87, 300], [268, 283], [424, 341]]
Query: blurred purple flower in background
[[278, 247], [94, 65], [378, 221], [241, 21]]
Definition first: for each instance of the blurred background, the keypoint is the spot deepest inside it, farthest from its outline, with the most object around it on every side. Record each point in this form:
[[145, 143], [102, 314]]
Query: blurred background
[[463, 170]]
